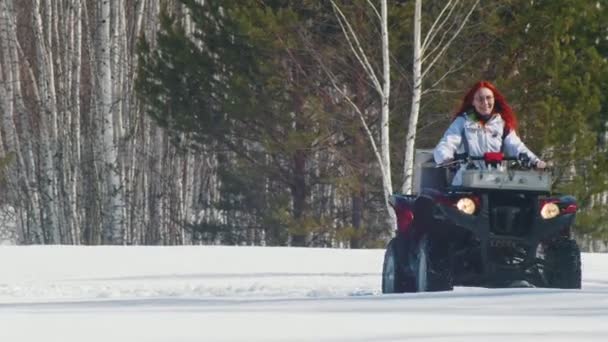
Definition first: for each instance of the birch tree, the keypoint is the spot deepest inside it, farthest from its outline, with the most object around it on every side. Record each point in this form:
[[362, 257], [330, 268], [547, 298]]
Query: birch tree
[[75, 143], [46, 97], [27, 189], [382, 85], [438, 39], [113, 220]]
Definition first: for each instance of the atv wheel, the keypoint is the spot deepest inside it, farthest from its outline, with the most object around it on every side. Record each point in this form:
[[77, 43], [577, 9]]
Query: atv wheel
[[431, 268], [563, 264], [394, 277]]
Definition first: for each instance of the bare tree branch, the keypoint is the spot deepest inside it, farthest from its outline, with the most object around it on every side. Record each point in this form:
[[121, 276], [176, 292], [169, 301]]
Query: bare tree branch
[[446, 46], [356, 48]]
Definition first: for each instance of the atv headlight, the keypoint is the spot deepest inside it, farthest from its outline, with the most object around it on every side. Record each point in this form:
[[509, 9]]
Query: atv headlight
[[466, 205], [549, 210]]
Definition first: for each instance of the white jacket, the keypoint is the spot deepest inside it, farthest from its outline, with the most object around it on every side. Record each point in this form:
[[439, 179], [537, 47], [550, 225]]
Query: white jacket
[[480, 139]]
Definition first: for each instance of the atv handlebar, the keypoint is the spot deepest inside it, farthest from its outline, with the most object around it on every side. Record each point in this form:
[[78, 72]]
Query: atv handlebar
[[522, 161]]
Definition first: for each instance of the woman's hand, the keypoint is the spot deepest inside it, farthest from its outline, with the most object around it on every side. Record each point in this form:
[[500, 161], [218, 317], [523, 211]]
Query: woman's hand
[[541, 164]]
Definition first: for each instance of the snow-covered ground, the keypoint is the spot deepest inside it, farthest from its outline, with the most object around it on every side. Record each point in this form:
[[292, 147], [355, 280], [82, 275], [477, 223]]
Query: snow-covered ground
[[114, 294]]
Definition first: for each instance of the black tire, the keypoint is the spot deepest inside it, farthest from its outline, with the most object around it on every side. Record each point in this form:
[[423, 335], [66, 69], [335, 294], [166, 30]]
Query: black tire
[[563, 264], [394, 276], [431, 267]]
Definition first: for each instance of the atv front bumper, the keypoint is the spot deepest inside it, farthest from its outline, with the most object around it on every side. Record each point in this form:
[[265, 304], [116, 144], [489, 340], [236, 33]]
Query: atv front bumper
[[492, 244]]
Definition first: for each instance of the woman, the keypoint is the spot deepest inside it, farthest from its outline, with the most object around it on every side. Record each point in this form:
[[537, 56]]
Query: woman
[[484, 123]]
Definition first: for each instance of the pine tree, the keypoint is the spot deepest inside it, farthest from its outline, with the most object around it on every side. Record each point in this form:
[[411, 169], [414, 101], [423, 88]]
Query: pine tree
[[240, 86], [555, 73]]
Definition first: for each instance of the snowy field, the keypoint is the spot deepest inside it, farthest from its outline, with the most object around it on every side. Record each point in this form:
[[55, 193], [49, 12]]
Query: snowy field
[[78, 294]]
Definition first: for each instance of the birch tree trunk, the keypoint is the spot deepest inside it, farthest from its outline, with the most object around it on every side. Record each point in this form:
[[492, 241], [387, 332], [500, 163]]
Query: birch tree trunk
[[11, 144], [70, 178], [410, 140], [383, 89], [113, 202], [75, 141], [423, 51], [47, 130], [384, 121], [31, 229], [122, 93]]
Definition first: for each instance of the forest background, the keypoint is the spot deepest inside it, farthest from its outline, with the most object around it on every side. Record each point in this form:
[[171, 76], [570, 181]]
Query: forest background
[[251, 122]]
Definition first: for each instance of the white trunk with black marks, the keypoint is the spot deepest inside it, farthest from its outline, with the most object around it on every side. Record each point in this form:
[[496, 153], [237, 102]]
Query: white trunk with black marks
[[131, 175], [165, 187], [139, 19], [31, 229], [410, 140], [47, 131], [383, 89], [187, 196], [57, 38], [67, 170], [7, 133], [143, 187], [122, 97], [135, 122], [50, 78], [121, 94], [61, 41], [422, 52], [75, 63], [17, 171], [9, 142], [155, 188], [113, 202], [90, 148], [384, 121]]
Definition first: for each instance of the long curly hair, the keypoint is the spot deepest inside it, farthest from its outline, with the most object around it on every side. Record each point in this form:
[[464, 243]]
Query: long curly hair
[[500, 104]]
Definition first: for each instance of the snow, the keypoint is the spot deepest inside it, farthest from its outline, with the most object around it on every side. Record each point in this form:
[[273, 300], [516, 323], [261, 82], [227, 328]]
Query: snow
[[219, 293]]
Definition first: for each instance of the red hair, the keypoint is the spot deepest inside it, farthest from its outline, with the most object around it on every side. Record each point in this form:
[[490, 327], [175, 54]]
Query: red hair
[[500, 104]]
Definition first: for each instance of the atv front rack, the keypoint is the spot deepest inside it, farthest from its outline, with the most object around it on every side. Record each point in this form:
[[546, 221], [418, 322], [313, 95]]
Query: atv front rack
[[530, 180]]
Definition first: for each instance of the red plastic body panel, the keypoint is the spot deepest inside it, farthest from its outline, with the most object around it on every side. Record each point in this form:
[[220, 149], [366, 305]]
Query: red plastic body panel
[[405, 217]]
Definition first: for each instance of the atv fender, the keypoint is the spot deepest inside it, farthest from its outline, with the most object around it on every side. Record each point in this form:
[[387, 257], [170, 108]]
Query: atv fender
[[404, 210]]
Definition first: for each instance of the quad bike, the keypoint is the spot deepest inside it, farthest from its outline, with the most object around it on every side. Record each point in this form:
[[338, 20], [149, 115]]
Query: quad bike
[[501, 227]]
